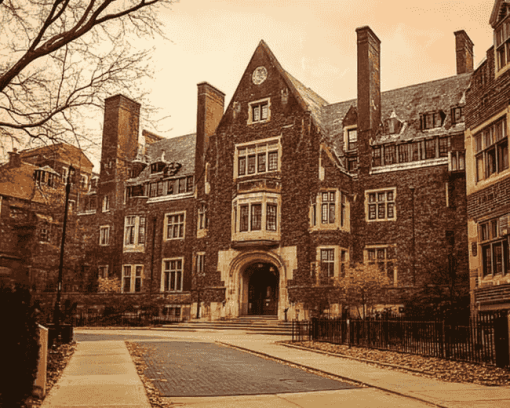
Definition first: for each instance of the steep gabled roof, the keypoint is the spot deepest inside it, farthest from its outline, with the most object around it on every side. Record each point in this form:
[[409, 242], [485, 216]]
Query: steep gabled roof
[[306, 98], [499, 8], [407, 104], [313, 101]]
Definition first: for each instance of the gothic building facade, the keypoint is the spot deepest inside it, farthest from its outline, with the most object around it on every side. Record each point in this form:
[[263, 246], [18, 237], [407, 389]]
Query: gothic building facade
[[488, 175], [263, 209]]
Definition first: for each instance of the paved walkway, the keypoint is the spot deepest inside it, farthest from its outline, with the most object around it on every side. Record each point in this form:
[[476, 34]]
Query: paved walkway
[[102, 374], [99, 374], [445, 394]]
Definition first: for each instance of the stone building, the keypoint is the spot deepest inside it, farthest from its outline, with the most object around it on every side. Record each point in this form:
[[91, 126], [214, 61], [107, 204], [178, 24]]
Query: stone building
[[32, 192], [262, 209], [488, 174]]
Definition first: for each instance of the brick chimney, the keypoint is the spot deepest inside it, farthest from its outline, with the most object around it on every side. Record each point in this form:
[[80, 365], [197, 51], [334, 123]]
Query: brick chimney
[[463, 52], [119, 148], [369, 92], [14, 158], [209, 113]]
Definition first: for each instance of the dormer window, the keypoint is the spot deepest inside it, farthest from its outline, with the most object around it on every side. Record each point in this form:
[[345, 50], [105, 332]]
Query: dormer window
[[157, 167], [503, 44], [94, 182], [43, 177], [352, 139], [457, 115], [432, 120]]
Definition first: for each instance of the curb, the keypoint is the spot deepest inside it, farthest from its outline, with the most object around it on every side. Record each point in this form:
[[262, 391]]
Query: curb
[[353, 358], [331, 374]]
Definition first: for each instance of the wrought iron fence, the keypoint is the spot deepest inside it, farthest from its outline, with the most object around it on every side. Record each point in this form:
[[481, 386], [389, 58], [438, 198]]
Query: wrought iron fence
[[481, 340]]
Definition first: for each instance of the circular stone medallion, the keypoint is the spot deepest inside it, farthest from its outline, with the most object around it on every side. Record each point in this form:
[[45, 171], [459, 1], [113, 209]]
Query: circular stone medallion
[[259, 75]]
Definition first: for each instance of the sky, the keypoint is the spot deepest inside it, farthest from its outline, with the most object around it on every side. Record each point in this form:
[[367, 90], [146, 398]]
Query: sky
[[314, 40]]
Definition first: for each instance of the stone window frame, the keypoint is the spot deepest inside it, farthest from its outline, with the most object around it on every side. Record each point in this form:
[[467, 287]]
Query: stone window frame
[[502, 46], [166, 224], [259, 103], [104, 238], [199, 266], [339, 261], [259, 147], [369, 203], [260, 198], [486, 144], [342, 211], [202, 220], [134, 278], [385, 260], [137, 233], [102, 271], [346, 130], [178, 284], [45, 233], [457, 115], [105, 203], [489, 239], [457, 160], [432, 120]]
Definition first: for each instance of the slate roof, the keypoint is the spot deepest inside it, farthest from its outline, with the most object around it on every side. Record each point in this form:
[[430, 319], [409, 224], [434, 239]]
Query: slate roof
[[19, 182], [313, 100], [179, 149], [407, 103]]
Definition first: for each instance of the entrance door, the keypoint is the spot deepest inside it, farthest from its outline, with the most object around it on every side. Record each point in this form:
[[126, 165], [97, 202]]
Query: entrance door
[[263, 291]]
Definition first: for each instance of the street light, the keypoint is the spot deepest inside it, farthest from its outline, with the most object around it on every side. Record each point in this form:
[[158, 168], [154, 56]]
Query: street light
[[56, 315]]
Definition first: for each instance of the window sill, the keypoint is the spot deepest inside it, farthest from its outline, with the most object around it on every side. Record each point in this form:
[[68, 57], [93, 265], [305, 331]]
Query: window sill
[[258, 121], [174, 239], [493, 177], [171, 197], [381, 220], [134, 248], [87, 212], [329, 227], [202, 233], [409, 165]]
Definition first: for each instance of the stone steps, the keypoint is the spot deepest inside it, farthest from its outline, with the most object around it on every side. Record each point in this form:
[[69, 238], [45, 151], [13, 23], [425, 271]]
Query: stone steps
[[258, 324]]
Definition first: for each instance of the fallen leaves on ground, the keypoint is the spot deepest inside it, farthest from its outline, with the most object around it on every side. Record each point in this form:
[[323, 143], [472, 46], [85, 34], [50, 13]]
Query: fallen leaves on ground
[[137, 352], [58, 357], [432, 367]]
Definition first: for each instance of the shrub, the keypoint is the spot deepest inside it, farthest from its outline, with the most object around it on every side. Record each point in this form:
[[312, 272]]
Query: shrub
[[19, 348]]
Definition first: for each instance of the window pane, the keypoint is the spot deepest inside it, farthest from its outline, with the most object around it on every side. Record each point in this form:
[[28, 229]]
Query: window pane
[[189, 183], [182, 185], [371, 254], [324, 216], [251, 164], [371, 212], [172, 280], [371, 197], [391, 212], [416, 151], [141, 231], [256, 113], [381, 196], [497, 257], [273, 161], [381, 210], [487, 264], [331, 213], [430, 149], [490, 156], [376, 156], [271, 217], [256, 217], [443, 147], [265, 111], [242, 166], [244, 218], [479, 168], [403, 153], [389, 155], [353, 139], [262, 163], [502, 156]]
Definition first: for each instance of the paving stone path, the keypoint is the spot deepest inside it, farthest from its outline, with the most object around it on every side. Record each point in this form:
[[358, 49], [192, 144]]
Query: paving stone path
[[192, 369]]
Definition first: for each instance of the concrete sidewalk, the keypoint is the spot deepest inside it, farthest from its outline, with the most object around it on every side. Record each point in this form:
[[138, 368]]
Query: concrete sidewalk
[[439, 393], [100, 373]]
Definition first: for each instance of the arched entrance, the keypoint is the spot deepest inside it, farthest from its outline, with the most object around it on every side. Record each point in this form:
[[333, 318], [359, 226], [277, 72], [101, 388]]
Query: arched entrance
[[262, 289]]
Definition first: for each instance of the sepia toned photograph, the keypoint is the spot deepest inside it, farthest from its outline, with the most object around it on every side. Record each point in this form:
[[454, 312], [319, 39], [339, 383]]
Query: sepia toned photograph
[[239, 203]]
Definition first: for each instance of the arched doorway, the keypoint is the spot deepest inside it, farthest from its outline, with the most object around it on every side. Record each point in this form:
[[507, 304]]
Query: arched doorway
[[263, 288]]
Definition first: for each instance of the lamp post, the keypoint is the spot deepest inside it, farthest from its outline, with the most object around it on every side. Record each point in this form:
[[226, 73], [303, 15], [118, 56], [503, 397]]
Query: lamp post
[[56, 316]]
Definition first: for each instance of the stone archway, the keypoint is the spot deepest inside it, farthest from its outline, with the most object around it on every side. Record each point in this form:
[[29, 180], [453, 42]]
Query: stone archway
[[262, 269]]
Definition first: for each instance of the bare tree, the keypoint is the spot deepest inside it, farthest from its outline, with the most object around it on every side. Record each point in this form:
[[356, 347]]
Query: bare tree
[[59, 56], [362, 286]]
